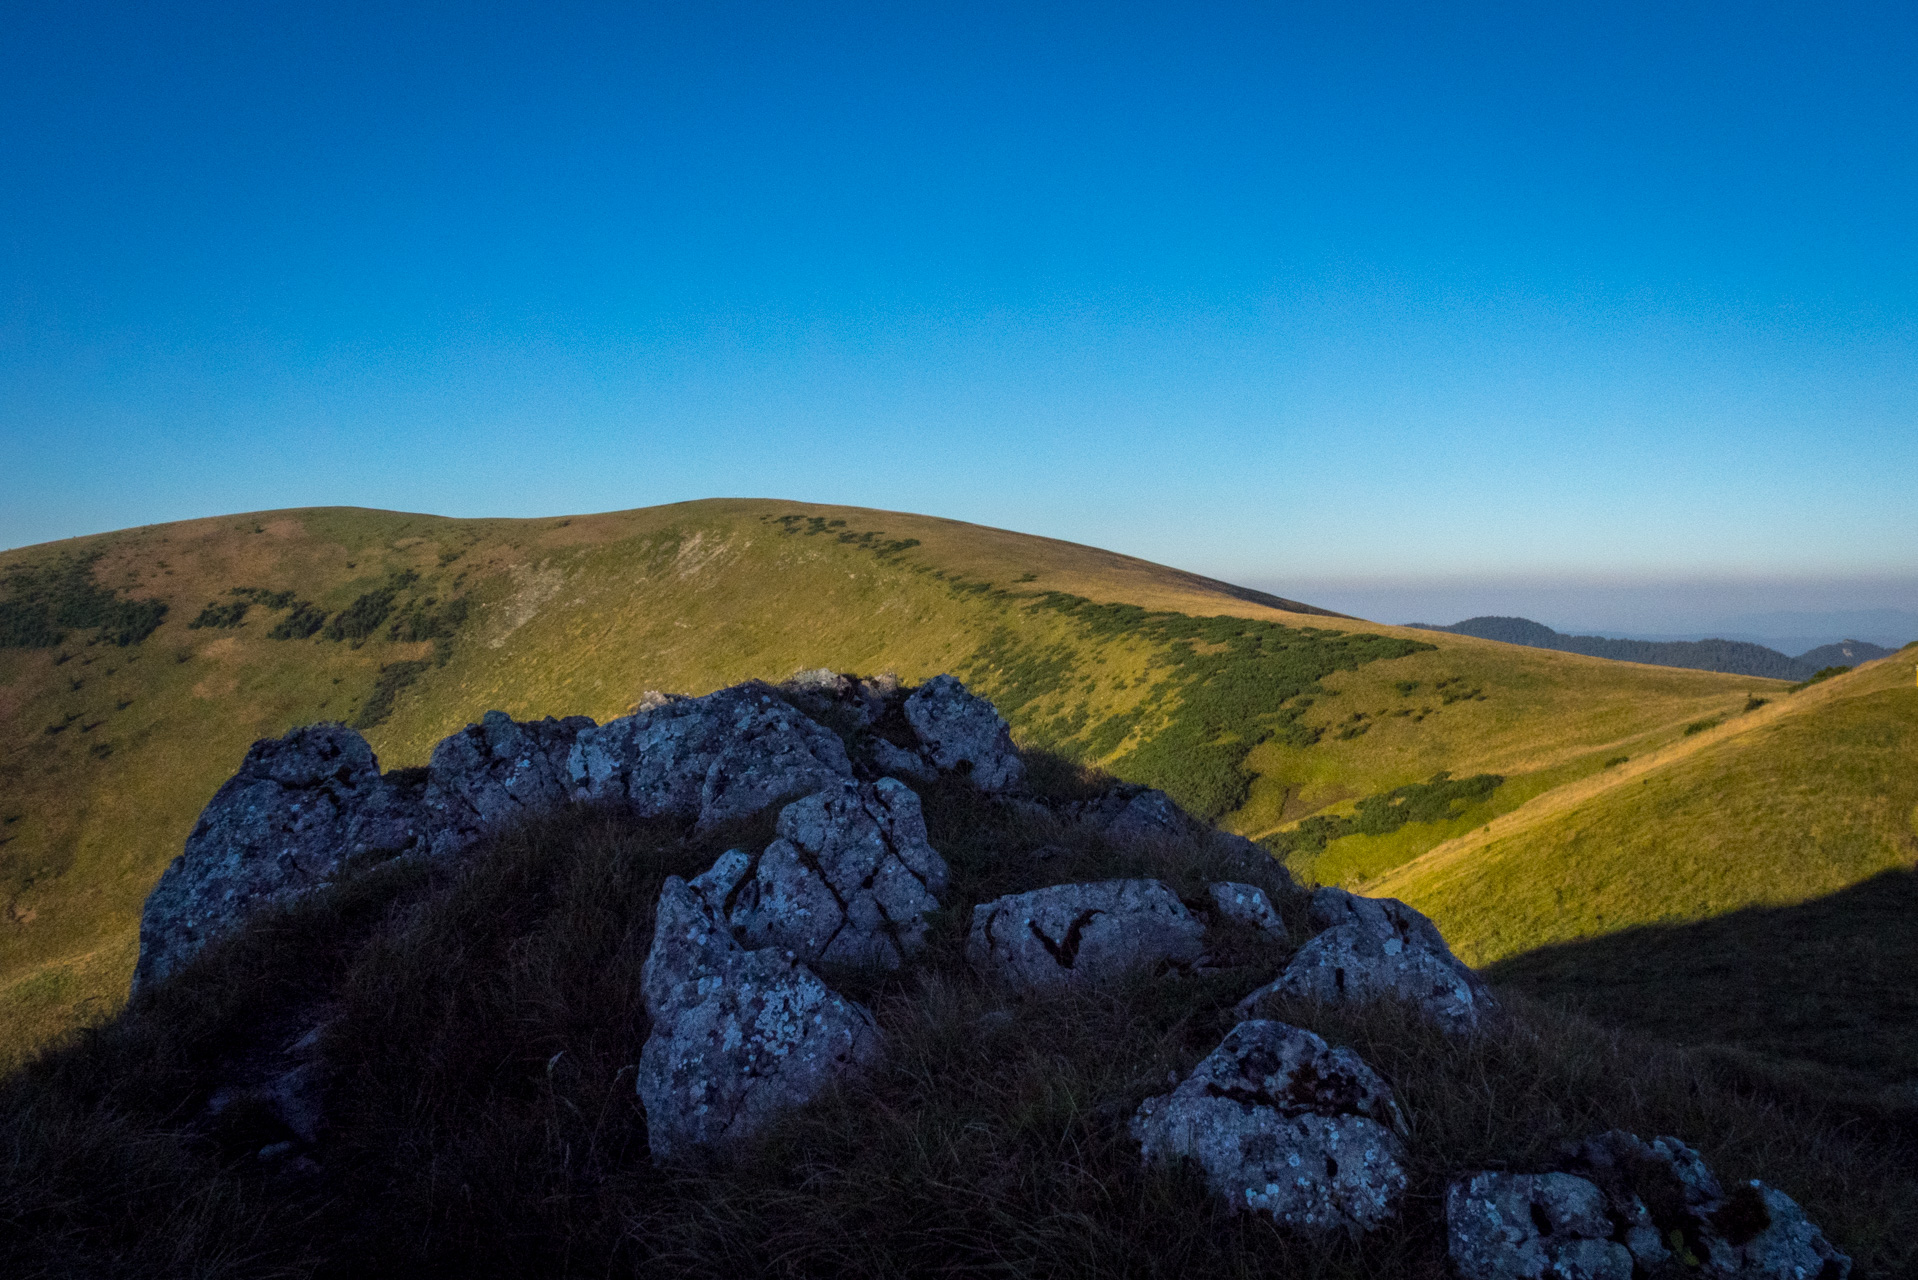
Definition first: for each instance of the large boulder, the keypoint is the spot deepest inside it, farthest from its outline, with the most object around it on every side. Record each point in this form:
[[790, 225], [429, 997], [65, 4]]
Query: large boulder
[[850, 879], [726, 755], [959, 731], [491, 774], [1082, 933], [1379, 948], [1522, 1226], [1283, 1124], [738, 1036], [299, 807], [1660, 1193]]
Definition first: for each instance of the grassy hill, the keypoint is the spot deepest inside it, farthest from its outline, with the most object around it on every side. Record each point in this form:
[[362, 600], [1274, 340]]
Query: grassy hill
[[1320, 734], [1749, 884]]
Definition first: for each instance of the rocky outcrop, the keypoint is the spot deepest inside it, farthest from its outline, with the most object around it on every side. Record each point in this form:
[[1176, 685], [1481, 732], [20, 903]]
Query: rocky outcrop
[[1379, 948], [1082, 933], [738, 1036], [299, 807], [961, 733], [850, 880], [1619, 1207], [726, 755], [1283, 1124], [1660, 1193], [496, 772], [1521, 1226]]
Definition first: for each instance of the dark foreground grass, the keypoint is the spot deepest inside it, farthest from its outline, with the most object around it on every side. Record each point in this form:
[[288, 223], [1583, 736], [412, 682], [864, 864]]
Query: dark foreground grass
[[482, 1029]]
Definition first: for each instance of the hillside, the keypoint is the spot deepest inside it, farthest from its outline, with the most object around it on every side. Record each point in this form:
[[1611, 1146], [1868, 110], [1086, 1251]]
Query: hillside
[[1250, 709], [1736, 657], [1750, 884]]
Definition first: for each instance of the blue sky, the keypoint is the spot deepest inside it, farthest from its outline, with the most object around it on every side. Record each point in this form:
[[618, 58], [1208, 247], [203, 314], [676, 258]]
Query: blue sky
[[1473, 294]]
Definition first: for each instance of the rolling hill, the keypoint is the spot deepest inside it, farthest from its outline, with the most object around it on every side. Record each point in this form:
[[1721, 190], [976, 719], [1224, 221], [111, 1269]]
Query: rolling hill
[[1750, 884], [1325, 736]]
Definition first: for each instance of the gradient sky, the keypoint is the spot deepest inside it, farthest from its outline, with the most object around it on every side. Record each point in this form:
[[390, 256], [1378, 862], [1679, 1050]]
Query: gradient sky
[[1529, 293]]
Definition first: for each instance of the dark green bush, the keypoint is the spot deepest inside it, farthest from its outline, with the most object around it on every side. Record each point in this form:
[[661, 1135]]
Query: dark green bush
[[43, 601], [231, 614], [393, 677], [303, 621]]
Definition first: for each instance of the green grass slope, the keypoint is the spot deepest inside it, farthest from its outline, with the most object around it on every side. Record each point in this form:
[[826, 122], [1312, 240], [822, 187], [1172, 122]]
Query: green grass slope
[[1247, 708], [1749, 885]]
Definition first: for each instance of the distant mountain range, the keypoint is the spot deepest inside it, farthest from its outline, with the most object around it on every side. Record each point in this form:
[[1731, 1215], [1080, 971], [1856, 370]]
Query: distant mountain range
[[1733, 657]]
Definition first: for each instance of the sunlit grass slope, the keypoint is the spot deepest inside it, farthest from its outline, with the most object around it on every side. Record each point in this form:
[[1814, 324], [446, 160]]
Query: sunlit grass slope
[[1248, 708], [1803, 797]]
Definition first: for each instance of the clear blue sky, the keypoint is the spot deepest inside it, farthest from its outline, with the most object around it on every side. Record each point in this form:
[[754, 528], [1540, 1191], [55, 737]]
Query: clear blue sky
[[1326, 293]]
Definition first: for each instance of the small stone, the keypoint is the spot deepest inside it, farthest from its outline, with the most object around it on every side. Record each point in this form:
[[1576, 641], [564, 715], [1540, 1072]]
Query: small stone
[[1246, 904], [1283, 1124]]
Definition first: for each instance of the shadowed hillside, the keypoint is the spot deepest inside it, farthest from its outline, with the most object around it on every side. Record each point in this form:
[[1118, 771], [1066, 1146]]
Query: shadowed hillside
[[142, 664], [1826, 982]]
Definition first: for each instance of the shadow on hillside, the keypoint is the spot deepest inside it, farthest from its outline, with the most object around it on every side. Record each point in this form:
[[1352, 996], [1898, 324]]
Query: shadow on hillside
[[1829, 982]]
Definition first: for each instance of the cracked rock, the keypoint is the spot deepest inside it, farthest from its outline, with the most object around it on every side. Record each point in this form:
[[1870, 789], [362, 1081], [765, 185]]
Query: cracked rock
[[1376, 948], [960, 731], [1082, 933], [297, 809], [1521, 1226], [491, 774], [1283, 1124], [850, 879], [726, 755], [738, 1036]]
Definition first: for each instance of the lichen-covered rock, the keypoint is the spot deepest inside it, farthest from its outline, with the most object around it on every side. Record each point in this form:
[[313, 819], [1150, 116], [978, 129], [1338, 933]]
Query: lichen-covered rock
[[296, 810], [850, 879], [1660, 1193], [491, 774], [1246, 904], [1283, 1124], [959, 731], [738, 1036], [1379, 948], [1082, 933], [725, 755], [1520, 1226]]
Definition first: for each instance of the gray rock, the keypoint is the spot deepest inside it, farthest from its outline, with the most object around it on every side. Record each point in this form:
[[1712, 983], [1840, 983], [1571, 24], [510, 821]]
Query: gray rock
[[1150, 816], [726, 755], [958, 731], [1788, 1247], [1660, 1191], [850, 879], [1379, 948], [1521, 1226], [1082, 933], [1246, 904], [1283, 1124], [738, 1037], [297, 809], [491, 774], [901, 763]]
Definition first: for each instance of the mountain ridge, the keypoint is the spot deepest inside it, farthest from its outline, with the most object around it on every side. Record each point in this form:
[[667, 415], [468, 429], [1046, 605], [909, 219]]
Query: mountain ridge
[[1737, 657]]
